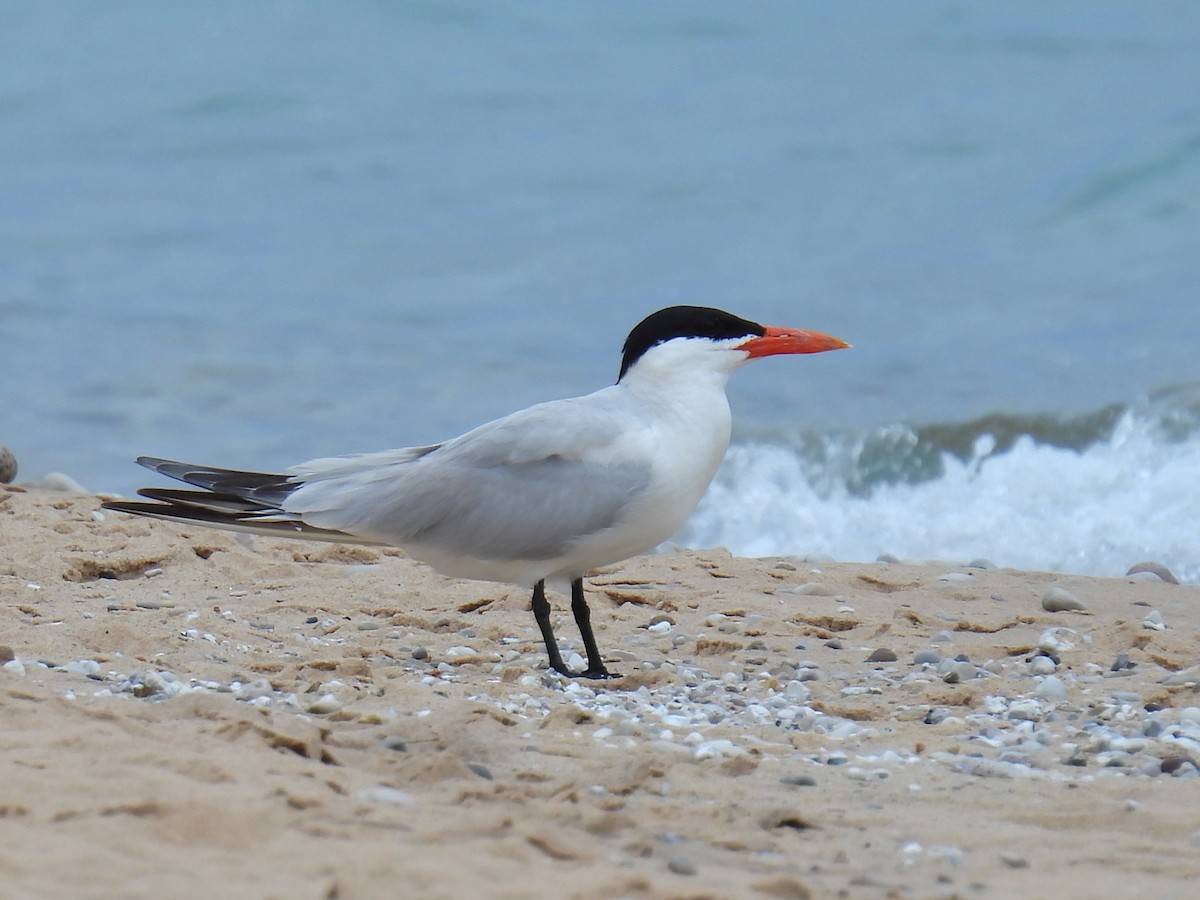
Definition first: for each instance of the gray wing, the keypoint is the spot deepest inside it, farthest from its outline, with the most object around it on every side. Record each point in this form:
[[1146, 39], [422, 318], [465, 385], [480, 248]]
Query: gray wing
[[522, 487]]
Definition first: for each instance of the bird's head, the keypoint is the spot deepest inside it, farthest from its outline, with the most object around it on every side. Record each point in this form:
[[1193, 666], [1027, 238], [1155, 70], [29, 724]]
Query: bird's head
[[725, 339]]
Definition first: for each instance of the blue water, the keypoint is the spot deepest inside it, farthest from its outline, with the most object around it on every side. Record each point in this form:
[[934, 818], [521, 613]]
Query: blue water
[[257, 233]]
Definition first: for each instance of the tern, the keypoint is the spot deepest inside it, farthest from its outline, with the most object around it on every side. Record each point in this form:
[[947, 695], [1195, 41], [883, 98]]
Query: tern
[[544, 495]]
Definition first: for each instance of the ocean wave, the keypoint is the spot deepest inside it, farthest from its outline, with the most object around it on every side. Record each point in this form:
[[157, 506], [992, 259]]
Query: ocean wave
[[1091, 493]]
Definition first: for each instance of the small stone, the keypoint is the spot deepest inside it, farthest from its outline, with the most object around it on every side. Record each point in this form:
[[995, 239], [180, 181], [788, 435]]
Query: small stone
[[1154, 621], [926, 657], [88, 668], [1042, 665], [389, 796], [799, 780], [882, 654], [814, 589], [1055, 641], [148, 604], [681, 865], [481, 770], [1121, 662], [6, 654], [1013, 861], [420, 653], [957, 672], [8, 465], [1051, 688], [1184, 677], [1058, 599], [395, 743], [1144, 568], [327, 703]]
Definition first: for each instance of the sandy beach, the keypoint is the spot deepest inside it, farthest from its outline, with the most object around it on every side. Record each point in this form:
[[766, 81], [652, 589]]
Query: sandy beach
[[189, 712]]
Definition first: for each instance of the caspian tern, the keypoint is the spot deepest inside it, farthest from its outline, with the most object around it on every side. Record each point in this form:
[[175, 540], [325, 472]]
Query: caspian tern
[[543, 495]]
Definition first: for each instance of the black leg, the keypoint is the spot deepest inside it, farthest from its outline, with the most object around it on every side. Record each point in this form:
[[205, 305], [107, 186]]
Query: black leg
[[583, 618], [541, 614]]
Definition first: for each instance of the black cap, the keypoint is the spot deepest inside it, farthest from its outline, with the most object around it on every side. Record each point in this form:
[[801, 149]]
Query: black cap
[[684, 321]]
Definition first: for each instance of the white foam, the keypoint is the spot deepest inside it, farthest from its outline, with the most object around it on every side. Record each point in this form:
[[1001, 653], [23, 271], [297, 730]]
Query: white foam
[[1130, 498]]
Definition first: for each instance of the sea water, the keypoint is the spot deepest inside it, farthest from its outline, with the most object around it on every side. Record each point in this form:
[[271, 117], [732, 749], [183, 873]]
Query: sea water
[[252, 234]]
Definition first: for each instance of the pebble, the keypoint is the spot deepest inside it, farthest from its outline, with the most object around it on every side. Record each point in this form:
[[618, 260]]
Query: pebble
[[8, 465], [6, 654], [681, 865], [326, 703], [810, 589], [799, 780], [88, 668], [926, 657], [1054, 641], [387, 795], [1042, 665], [1058, 599], [955, 671], [1154, 621], [1148, 568], [882, 654], [1051, 688], [481, 770]]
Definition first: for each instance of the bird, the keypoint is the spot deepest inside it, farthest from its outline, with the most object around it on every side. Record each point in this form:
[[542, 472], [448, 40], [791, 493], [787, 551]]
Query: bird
[[539, 497]]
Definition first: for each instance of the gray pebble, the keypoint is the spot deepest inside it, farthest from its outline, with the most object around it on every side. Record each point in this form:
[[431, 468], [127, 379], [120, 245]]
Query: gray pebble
[[1154, 620], [1121, 662], [814, 589], [1042, 665], [1151, 568], [955, 672], [681, 865], [8, 465], [6, 654], [395, 743], [420, 653], [799, 780], [1051, 688], [1185, 677], [883, 654], [481, 770], [1058, 599], [926, 657], [941, 637]]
